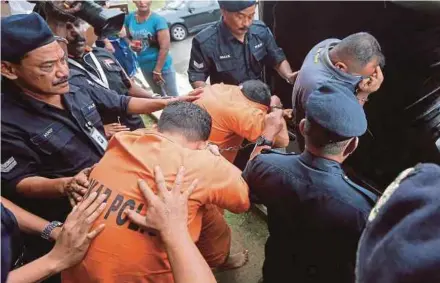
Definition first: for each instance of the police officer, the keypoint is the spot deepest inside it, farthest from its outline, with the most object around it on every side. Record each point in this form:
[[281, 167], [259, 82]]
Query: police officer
[[51, 130], [102, 68], [315, 213], [401, 240], [235, 49]]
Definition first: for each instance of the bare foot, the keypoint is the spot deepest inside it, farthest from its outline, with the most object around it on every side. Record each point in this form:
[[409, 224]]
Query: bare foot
[[234, 261]]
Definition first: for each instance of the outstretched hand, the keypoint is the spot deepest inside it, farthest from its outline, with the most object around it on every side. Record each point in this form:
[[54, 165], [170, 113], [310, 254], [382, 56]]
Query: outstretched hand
[[78, 185], [75, 236], [192, 95]]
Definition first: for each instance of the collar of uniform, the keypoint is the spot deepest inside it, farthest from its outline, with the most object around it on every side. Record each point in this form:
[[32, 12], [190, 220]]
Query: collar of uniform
[[13, 92], [225, 32], [320, 163], [345, 77], [16, 94]]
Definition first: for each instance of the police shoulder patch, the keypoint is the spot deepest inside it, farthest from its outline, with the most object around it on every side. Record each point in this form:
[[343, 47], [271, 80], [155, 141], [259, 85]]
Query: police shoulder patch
[[8, 165]]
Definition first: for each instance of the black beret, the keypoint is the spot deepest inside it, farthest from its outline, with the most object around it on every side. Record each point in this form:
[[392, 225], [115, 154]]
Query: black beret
[[336, 109], [401, 241], [235, 6], [23, 33]]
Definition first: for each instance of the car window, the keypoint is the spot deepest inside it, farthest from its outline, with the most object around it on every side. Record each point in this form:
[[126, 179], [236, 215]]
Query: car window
[[201, 4]]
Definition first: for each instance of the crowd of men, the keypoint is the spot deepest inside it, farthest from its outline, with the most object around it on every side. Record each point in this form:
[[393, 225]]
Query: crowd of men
[[125, 203]]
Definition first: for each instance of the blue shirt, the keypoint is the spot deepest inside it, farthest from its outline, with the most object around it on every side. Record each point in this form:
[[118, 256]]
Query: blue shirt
[[147, 33], [217, 54], [317, 70], [315, 217]]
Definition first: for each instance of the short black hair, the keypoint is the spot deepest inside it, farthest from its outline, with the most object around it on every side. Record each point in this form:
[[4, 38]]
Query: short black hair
[[361, 47], [188, 119], [256, 91], [324, 140]]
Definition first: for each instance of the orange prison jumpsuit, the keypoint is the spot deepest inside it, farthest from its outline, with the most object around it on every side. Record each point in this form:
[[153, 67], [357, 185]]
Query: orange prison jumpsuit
[[125, 253], [234, 118]]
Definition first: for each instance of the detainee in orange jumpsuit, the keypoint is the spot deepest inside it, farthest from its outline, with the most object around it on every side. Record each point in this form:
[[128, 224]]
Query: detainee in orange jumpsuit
[[125, 253], [238, 113]]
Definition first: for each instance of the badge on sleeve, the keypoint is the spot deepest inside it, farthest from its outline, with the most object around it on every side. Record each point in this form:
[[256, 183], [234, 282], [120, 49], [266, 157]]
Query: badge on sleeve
[[9, 165], [109, 62], [198, 65]]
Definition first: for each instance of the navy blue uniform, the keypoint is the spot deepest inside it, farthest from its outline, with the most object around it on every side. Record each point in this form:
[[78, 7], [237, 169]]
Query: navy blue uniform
[[41, 140], [118, 82], [401, 240], [217, 54], [315, 217], [11, 244]]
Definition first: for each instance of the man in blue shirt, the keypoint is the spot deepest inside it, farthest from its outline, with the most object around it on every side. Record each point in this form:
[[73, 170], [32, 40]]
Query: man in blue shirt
[[354, 62], [235, 49], [315, 213]]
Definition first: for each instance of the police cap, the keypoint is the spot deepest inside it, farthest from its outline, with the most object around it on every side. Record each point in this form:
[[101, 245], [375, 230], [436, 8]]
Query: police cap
[[235, 6], [401, 241], [336, 109], [23, 33]]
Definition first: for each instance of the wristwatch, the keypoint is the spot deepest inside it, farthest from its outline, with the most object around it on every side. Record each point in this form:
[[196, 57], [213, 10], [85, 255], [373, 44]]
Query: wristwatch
[[49, 228], [262, 141]]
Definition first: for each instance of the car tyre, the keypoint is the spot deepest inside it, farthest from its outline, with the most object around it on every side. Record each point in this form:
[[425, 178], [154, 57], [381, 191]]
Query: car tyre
[[178, 32]]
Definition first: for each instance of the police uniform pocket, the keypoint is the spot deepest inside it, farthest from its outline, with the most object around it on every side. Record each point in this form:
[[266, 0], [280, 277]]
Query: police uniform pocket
[[91, 114], [259, 54], [53, 138], [224, 65]]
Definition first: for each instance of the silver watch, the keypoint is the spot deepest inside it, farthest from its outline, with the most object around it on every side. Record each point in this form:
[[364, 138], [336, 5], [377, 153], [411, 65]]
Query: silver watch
[[49, 228]]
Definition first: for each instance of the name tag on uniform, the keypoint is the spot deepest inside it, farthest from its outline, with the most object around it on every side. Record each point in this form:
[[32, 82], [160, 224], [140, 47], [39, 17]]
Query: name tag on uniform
[[227, 56], [99, 138]]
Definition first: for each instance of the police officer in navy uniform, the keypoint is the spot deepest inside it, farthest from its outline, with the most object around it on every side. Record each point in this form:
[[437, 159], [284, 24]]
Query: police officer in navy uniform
[[102, 68], [315, 213], [52, 131], [400, 243], [235, 49]]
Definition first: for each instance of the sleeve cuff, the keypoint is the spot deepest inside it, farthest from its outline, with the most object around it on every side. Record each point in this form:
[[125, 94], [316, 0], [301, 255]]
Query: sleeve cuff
[[12, 183], [278, 57], [194, 77], [124, 103]]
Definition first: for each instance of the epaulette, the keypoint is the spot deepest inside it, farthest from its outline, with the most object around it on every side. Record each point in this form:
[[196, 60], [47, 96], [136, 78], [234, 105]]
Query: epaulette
[[267, 151], [259, 27], [207, 33], [259, 23]]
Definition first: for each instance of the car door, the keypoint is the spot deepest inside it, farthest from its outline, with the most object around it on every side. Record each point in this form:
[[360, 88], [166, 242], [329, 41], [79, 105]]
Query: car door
[[201, 13]]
